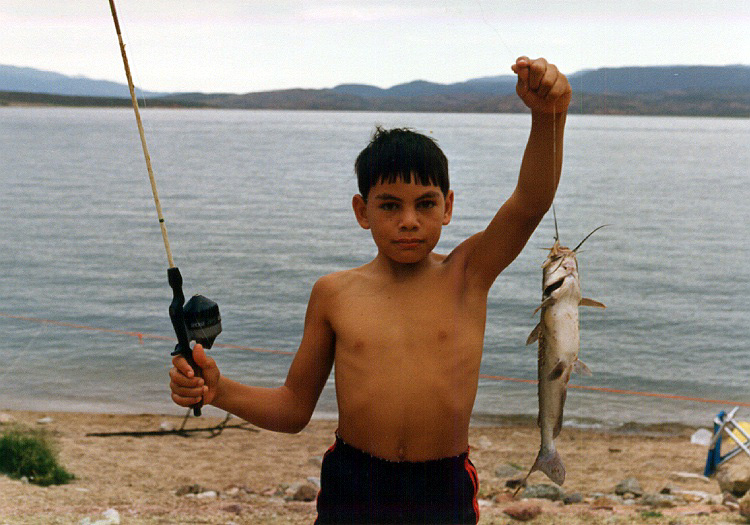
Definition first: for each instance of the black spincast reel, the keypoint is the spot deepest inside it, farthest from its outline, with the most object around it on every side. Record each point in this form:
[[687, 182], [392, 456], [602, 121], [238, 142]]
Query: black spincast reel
[[198, 320]]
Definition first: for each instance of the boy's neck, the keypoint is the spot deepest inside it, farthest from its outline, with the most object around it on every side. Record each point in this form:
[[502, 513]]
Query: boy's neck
[[401, 271]]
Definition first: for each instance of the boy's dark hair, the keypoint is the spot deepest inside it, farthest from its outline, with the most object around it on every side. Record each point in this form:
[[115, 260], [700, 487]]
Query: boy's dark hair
[[396, 154]]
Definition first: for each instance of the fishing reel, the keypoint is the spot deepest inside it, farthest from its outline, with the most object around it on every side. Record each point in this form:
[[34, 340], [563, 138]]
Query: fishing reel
[[199, 320]]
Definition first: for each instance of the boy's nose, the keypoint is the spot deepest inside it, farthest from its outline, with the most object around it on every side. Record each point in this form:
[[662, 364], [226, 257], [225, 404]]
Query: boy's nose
[[409, 220]]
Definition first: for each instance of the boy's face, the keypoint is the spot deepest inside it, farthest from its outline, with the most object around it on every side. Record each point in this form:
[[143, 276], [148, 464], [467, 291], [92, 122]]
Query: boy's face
[[405, 218]]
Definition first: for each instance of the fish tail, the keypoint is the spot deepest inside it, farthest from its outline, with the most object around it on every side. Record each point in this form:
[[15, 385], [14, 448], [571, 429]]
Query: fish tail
[[551, 464]]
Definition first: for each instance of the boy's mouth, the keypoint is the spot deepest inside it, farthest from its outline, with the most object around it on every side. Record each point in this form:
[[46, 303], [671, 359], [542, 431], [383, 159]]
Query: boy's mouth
[[408, 242]]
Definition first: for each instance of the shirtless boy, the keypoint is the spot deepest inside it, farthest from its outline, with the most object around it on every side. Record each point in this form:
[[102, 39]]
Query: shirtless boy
[[405, 330]]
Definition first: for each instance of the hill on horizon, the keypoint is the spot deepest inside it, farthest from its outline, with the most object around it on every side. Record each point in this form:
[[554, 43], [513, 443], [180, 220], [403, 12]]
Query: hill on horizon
[[669, 90]]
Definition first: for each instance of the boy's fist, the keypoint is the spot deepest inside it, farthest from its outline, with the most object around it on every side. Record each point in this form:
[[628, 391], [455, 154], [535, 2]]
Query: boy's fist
[[541, 86], [187, 389]]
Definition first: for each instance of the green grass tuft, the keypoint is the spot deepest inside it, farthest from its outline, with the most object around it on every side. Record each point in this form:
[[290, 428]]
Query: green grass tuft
[[29, 453]]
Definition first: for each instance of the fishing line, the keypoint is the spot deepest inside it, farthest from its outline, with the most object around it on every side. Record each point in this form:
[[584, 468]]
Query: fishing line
[[495, 30], [198, 320]]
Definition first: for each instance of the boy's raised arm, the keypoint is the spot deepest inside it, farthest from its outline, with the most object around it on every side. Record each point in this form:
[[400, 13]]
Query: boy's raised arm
[[547, 93]]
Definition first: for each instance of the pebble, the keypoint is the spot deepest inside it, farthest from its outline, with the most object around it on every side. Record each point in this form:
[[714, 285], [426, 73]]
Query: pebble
[[111, 517], [45, 421], [190, 489], [209, 494], [523, 511], [629, 486], [233, 509], [604, 502], [659, 500], [166, 426], [575, 497], [306, 492], [543, 491]]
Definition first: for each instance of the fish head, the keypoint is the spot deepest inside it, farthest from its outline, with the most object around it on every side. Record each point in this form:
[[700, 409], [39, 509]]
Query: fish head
[[560, 272]]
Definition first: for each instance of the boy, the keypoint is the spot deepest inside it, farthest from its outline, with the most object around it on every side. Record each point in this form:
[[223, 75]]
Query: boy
[[405, 330]]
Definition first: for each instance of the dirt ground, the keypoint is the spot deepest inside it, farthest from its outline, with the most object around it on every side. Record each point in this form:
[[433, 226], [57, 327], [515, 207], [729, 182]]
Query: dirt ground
[[242, 475]]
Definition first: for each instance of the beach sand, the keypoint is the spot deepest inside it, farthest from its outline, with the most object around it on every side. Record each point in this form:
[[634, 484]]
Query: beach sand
[[249, 470]]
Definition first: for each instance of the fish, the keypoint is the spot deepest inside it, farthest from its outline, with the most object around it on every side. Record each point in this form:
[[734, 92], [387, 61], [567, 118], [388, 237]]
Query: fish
[[558, 336]]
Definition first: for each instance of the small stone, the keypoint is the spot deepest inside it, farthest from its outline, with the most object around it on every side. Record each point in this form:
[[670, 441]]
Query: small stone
[[514, 483], [233, 509], [629, 486], [734, 476], [209, 494], [575, 497], [728, 500], [189, 489], [604, 503], [693, 496], [232, 491], [166, 426], [45, 421], [523, 511], [543, 491], [314, 480], [659, 500], [306, 492]]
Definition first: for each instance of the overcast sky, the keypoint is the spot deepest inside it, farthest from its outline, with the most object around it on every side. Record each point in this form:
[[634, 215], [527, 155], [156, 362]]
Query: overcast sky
[[252, 45]]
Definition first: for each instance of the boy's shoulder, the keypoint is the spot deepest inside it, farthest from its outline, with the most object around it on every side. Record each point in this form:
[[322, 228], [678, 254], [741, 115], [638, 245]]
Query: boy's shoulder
[[342, 280]]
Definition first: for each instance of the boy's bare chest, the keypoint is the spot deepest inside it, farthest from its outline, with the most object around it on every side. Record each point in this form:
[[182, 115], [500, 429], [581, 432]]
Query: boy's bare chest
[[409, 316]]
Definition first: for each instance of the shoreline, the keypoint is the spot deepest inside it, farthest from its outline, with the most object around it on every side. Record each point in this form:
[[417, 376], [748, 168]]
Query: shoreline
[[251, 476]]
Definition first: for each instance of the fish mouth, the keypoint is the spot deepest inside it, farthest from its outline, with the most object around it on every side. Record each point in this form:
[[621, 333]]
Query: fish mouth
[[554, 286]]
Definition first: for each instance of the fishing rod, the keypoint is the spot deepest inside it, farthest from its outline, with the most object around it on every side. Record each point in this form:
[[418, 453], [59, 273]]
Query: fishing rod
[[198, 320]]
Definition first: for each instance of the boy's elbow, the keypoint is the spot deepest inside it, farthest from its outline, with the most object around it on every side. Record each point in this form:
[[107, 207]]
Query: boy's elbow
[[533, 207], [297, 425]]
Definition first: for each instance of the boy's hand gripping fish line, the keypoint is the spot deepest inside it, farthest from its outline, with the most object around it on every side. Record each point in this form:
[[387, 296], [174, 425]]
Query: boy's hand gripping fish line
[[198, 320]]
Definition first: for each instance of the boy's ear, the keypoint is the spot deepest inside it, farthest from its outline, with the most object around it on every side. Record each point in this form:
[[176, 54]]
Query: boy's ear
[[448, 208], [360, 211]]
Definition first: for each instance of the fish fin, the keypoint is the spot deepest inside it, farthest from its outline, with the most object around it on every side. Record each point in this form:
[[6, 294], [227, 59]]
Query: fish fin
[[534, 335], [549, 301], [590, 302], [558, 424], [557, 371], [579, 367], [551, 464]]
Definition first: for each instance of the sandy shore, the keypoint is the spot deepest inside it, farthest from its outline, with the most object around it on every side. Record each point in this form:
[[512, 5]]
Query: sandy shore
[[249, 470]]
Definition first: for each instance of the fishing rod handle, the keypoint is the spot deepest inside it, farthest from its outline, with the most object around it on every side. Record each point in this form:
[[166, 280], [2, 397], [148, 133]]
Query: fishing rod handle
[[177, 315]]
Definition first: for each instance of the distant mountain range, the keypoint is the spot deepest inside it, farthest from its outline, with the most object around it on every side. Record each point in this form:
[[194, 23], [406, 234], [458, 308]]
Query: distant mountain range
[[656, 90]]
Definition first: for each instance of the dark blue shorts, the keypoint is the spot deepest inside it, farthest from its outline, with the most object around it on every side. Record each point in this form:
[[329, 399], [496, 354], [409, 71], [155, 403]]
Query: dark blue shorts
[[359, 488]]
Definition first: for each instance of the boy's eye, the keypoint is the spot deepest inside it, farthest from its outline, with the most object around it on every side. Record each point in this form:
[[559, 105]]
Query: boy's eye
[[389, 206], [426, 205]]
